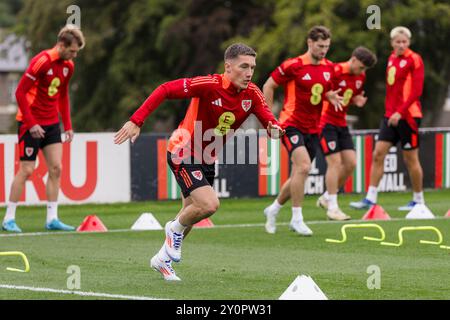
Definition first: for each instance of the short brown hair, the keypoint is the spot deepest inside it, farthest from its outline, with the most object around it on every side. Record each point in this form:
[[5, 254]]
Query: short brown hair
[[238, 49], [319, 32], [367, 57], [70, 33]]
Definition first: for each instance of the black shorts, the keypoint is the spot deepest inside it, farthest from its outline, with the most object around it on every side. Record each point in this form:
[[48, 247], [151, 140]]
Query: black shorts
[[408, 137], [191, 176], [29, 146], [294, 138], [335, 139]]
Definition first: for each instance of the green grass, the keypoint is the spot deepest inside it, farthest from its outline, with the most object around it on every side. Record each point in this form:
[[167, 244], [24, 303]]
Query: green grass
[[234, 262]]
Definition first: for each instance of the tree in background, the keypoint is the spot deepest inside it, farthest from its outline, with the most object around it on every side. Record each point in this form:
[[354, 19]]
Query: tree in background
[[133, 46]]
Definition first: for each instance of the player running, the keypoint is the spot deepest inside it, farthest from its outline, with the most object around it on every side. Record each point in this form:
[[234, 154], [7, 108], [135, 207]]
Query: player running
[[404, 86], [220, 104], [335, 139], [43, 94], [307, 82]]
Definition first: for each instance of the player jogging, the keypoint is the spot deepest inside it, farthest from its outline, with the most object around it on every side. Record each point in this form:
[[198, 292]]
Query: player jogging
[[307, 81], [43, 95], [220, 104], [335, 139]]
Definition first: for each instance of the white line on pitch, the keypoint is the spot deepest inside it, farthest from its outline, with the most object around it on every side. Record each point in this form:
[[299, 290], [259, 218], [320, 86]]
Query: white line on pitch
[[245, 225], [78, 293]]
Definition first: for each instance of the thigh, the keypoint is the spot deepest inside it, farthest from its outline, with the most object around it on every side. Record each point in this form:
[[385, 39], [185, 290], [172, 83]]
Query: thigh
[[329, 140], [53, 154]]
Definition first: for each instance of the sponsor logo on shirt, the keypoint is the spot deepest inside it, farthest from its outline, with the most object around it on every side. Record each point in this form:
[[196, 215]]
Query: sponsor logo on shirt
[[246, 105], [197, 175], [294, 139], [50, 72], [342, 83], [306, 77], [217, 102]]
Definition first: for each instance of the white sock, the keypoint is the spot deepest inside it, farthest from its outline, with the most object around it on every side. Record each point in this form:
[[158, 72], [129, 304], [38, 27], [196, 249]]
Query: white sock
[[176, 226], [10, 211], [52, 211], [372, 194], [162, 254], [418, 197], [332, 202], [297, 214], [326, 195], [275, 207]]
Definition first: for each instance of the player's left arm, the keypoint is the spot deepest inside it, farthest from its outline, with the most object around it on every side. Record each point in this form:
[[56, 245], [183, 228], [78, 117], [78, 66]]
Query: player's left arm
[[64, 108], [265, 116], [417, 79]]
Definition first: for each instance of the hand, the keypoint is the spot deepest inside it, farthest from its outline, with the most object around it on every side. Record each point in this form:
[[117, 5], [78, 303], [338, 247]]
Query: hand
[[37, 132], [128, 131], [360, 100], [335, 99], [275, 130], [69, 136], [394, 119]]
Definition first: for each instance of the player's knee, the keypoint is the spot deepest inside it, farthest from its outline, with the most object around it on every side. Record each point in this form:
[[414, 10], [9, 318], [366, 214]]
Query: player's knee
[[302, 168], [210, 207], [378, 157], [350, 165], [26, 171], [54, 171]]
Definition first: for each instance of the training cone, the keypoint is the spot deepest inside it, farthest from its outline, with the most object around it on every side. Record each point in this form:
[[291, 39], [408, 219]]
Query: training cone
[[205, 223], [92, 223], [376, 212], [303, 288], [420, 211], [146, 222], [447, 215]]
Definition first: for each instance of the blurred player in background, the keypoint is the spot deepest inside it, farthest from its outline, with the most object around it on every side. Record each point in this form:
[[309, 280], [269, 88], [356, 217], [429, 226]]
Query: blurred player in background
[[307, 82], [220, 104], [404, 84], [43, 95], [335, 139]]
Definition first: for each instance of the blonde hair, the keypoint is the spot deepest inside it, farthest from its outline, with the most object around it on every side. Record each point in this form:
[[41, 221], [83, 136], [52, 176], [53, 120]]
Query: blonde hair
[[400, 30], [70, 33]]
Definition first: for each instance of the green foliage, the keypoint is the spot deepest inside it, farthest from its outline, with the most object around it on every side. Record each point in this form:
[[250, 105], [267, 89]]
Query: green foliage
[[133, 46]]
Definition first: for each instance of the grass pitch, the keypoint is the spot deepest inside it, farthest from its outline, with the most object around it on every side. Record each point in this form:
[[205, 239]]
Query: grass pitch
[[232, 261]]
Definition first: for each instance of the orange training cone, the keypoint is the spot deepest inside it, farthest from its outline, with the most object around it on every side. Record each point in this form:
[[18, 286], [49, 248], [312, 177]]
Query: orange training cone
[[376, 212], [448, 214], [92, 223], [205, 223]]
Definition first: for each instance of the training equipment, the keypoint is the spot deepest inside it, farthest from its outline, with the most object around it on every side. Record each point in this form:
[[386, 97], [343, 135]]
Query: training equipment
[[164, 267], [363, 225], [205, 223], [11, 226], [337, 215], [56, 224], [300, 227], [447, 215], [363, 204], [420, 211], [146, 222], [303, 288], [376, 213], [400, 236], [408, 207], [271, 218], [173, 243], [92, 223], [20, 254]]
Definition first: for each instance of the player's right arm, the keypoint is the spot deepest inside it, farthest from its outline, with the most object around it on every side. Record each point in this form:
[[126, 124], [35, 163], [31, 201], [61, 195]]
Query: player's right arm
[[176, 89], [35, 71], [269, 91]]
